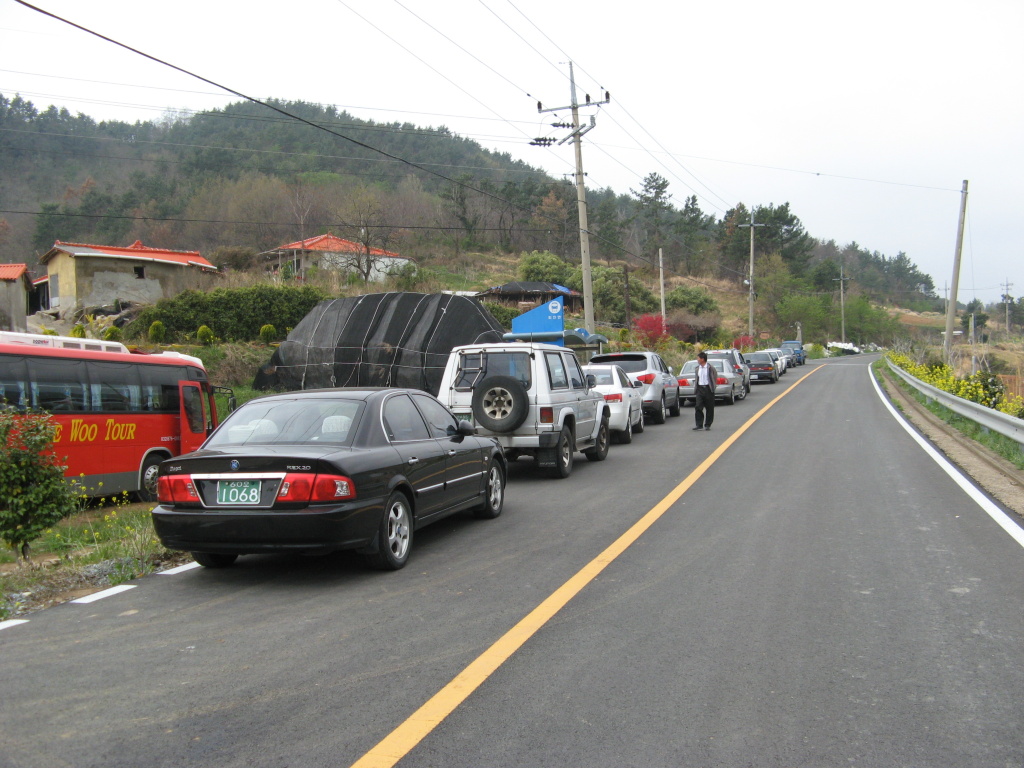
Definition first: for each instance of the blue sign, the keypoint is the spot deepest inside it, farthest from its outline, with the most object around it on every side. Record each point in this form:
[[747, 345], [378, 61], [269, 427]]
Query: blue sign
[[548, 318]]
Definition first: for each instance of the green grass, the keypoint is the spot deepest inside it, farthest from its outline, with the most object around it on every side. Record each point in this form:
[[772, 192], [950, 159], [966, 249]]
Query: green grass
[[104, 545]]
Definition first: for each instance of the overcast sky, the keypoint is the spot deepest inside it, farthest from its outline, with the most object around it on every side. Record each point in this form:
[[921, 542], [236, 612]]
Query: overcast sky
[[866, 118]]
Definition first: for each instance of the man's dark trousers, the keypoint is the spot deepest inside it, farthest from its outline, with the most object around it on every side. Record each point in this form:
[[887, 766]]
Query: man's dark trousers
[[704, 401]]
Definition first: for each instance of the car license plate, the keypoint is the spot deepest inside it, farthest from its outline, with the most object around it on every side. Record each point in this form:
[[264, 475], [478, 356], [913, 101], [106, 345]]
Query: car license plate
[[238, 492]]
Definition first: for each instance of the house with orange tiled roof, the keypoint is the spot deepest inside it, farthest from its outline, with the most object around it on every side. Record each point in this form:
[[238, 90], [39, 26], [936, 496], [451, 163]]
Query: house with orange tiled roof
[[14, 290], [82, 275], [332, 252]]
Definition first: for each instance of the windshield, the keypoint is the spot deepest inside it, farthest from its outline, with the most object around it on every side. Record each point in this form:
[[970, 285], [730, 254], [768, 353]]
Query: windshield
[[277, 422]]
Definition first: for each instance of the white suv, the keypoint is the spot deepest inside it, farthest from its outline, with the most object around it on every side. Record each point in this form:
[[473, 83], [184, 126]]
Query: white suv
[[533, 398]]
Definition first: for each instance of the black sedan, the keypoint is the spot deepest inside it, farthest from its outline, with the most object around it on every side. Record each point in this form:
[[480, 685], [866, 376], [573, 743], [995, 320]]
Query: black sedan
[[323, 470], [762, 367]]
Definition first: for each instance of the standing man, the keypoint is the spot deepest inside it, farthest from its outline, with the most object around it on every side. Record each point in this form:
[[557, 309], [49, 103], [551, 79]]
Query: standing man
[[707, 378]]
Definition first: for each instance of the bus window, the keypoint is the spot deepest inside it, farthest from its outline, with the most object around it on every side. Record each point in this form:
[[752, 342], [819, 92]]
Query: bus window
[[115, 386], [194, 409], [160, 387], [13, 382], [59, 385]]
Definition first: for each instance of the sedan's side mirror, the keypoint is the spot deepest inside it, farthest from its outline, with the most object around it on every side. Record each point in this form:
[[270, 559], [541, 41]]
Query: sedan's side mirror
[[466, 428]]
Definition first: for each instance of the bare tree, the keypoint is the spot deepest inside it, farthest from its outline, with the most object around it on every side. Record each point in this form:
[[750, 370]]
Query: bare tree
[[364, 218]]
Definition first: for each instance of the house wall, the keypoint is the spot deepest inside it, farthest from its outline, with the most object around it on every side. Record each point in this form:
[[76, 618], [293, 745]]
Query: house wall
[[62, 267], [91, 281], [13, 306], [381, 267]]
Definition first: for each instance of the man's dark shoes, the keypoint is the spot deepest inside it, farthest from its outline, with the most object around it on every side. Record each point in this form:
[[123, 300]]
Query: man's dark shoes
[[697, 429], [707, 429]]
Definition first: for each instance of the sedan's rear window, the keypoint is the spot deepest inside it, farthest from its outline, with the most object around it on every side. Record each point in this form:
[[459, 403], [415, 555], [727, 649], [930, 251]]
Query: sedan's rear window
[[758, 357], [291, 422], [628, 363]]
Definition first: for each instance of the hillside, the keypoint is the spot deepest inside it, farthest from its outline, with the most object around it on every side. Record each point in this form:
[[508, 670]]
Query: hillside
[[232, 183]]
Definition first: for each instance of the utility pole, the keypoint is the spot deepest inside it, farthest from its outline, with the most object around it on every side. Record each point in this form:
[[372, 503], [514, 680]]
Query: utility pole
[[750, 276], [581, 192], [1006, 303], [842, 299], [661, 281], [947, 344]]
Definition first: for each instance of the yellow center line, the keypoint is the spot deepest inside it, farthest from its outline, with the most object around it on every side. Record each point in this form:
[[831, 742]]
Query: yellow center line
[[418, 726]]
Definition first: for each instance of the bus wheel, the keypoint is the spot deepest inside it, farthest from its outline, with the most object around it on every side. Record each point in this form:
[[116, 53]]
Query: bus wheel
[[147, 488]]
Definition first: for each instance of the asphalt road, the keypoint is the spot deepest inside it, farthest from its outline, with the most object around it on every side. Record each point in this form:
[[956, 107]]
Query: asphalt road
[[816, 592]]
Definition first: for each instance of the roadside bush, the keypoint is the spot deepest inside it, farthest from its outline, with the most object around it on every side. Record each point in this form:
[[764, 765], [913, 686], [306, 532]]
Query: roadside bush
[[157, 332], [113, 333], [502, 313], [205, 335], [238, 313], [33, 493], [268, 333], [78, 331]]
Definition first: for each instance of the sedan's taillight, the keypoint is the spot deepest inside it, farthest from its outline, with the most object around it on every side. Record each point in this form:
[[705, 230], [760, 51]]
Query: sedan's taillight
[[172, 489], [722, 380], [308, 488], [684, 382], [613, 398], [647, 378]]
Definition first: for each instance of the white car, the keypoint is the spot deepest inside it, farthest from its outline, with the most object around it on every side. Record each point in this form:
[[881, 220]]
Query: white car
[[661, 387], [624, 399], [778, 359]]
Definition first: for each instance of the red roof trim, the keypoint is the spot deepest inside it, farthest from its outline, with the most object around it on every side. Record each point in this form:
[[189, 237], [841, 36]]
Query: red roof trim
[[333, 244], [138, 250]]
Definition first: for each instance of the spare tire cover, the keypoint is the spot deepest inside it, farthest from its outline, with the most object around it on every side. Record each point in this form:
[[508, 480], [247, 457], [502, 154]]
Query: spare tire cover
[[500, 403]]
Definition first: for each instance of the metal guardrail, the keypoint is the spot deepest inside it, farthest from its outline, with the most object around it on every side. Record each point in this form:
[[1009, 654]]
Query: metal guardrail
[[991, 419]]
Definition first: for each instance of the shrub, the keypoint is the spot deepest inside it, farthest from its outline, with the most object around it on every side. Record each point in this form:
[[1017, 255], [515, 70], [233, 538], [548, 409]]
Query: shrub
[[503, 314], [33, 493], [268, 333], [205, 335], [78, 331], [50, 332], [157, 332], [113, 333], [650, 330]]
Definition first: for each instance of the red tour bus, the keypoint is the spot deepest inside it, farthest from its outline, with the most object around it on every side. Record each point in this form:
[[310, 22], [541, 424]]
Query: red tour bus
[[119, 413]]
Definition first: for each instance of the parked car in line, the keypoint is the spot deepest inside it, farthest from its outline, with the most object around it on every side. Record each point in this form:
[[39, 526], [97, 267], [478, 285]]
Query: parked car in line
[[798, 351], [534, 399], [323, 470], [729, 386], [787, 357], [762, 367], [661, 387], [624, 399], [734, 359], [779, 360]]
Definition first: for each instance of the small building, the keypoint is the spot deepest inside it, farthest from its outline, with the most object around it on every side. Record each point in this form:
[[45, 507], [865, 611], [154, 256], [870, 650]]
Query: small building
[[14, 291], [335, 253], [525, 294], [81, 275]]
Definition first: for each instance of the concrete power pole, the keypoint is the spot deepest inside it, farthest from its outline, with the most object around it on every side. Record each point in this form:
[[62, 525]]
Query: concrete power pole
[[947, 343], [842, 300], [750, 276], [1006, 303], [661, 282], [581, 192]]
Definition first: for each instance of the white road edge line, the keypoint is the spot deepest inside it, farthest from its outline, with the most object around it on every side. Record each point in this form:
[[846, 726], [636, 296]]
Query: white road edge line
[[12, 623], [968, 487], [179, 569], [105, 593]]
